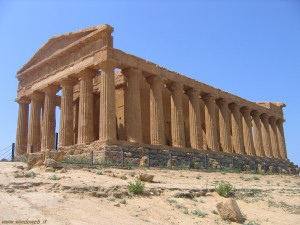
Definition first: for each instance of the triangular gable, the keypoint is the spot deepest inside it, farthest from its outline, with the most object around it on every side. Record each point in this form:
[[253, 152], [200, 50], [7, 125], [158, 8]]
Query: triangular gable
[[56, 43]]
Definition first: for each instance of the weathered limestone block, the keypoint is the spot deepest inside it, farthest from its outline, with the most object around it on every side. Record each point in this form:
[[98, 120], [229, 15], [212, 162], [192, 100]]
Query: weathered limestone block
[[36, 159], [52, 163], [55, 155], [146, 177], [144, 161], [229, 210]]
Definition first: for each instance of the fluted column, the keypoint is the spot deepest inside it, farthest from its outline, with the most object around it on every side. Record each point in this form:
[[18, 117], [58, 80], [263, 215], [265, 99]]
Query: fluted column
[[85, 119], [196, 138], [225, 138], [265, 131], [107, 126], [281, 139], [274, 139], [258, 141], [66, 133], [237, 133], [22, 126], [48, 121], [247, 131], [133, 105], [34, 130], [210, 123], [177, 123], [157, 124]]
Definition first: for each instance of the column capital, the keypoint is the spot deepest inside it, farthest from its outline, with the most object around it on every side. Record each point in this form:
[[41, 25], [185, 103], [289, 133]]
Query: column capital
[[221, 101], [192, 92], [272, 119], [245, 109], [175, 86], [107, 65], [255, 113], [154, 79], [51, 89], [131, 71], [38, 96], [234, 105], [208, 97], [23, 100], [280, 121], [89, 73], [68, 82], [264, 116]]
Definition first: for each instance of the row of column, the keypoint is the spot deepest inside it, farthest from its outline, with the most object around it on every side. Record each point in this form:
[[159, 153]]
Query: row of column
[[264, 138], [42, 136]]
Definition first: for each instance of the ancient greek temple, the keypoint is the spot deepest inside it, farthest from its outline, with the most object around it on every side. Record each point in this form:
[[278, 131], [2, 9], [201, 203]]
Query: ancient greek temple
[[109, 97]]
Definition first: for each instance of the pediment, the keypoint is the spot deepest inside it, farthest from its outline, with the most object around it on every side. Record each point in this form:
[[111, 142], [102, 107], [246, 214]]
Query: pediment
[[56, 44]]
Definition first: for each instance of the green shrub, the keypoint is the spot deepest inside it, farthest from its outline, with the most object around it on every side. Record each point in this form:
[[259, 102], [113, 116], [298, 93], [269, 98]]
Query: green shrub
[[137, 187], [99, 172], [199, 213], [123, 201], [224, 189], [53, 177]]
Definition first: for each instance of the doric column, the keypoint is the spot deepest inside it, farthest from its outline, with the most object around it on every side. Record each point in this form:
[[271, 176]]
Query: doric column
[[48, 122], [34, 130], [157, 124], [66, 133], [85, 117], [225, 138], [274, 139], [196, 138], [237, 133], [177, 123], [210, 122], [281, 139], [133, 105], [107, 126], [258, 141], [22, 126], [247, 131], [265, 131]]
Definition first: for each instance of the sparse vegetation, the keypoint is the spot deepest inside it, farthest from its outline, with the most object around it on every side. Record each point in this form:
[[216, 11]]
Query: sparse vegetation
[[53, 177], [137, 187], [214, 212], [185, 210], [225, 189], [199, 213], [73, 159], [171, 200], [123, 201], [99, 172]]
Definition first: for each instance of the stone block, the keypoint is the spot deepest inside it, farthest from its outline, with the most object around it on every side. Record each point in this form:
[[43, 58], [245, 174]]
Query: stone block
[[229, 210], [36, 159]]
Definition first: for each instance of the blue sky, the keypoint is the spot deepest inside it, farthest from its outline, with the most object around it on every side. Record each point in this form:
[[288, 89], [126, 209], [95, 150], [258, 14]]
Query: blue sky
[[248, 48]]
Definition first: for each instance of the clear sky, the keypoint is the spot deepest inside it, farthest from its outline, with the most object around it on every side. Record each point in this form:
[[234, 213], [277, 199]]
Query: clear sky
[[248, 48]]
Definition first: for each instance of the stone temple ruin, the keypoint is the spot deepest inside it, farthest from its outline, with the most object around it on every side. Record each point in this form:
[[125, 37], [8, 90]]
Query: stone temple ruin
[[112, 100]]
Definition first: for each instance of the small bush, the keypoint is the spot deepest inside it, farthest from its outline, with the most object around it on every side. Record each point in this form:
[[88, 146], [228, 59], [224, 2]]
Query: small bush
[[185, 210], [123, 201], [255, 178], [137, 187], [199, 213], [32, 174], [225, 189], [214, 212], [99, 172], [53, 177]]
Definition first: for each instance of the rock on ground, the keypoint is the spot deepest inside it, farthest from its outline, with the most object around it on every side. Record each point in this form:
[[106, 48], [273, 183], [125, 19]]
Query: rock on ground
[[229, 210]]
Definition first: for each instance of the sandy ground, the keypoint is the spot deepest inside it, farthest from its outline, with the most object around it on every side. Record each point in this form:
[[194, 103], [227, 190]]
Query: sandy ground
[[99, 196]]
